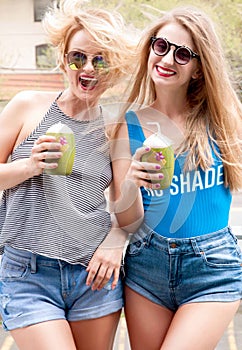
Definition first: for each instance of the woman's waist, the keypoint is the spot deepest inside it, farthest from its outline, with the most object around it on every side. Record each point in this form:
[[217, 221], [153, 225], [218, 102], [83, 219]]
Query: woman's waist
[[145, 233]]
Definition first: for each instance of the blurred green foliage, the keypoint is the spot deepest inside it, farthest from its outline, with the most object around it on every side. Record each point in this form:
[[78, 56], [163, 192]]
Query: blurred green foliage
[[226, 14]]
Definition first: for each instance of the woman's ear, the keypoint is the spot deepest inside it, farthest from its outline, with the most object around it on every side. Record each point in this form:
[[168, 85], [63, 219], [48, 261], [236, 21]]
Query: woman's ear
[[196, 74]]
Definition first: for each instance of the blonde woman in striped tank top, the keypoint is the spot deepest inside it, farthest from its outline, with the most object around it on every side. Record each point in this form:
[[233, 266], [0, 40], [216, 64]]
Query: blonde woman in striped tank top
[[60, 287]]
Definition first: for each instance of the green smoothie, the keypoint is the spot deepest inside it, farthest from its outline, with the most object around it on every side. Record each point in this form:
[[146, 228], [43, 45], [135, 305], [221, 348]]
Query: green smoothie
[[65, 136], [161, 153]]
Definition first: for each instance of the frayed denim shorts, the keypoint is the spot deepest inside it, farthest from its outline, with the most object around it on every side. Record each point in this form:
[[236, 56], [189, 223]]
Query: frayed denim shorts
[[172, 272], [34, 289]]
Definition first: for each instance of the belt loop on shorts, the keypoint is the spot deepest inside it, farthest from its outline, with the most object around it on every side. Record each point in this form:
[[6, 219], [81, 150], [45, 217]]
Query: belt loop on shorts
[[195, 246], [33, 264]]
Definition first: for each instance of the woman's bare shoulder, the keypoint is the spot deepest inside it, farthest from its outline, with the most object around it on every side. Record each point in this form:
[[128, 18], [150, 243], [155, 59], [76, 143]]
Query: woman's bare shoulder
[[31, 96]]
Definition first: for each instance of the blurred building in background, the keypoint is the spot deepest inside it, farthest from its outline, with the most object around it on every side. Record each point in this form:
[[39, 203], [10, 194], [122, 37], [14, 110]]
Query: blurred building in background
[[26, 60]]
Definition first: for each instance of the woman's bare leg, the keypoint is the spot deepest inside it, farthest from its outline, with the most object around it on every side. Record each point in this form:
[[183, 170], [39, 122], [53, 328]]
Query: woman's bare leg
[[147, 322], [48, 335], [95, 334], [199, 325]]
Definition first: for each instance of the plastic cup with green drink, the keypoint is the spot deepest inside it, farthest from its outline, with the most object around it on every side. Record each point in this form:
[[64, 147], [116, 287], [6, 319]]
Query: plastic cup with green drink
[[65, 136], [161, 153]]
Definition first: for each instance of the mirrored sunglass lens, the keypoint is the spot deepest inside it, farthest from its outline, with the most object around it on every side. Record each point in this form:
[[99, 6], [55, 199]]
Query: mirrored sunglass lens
[[160, 46], [76, 60], [182, 55], [99, 63], [73, 66]]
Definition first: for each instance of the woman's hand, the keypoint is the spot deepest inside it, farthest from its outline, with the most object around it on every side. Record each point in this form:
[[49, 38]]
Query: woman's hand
[[105, 263], [144, 173], [107, 260], [45, 147], [18, 171]]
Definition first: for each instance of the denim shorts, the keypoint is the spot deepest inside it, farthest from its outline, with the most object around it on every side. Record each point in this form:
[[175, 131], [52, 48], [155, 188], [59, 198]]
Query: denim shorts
[[34, 289], [172, 272]]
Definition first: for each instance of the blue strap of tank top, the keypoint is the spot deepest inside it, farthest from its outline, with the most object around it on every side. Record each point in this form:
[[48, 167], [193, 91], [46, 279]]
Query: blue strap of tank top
[[136, 134]]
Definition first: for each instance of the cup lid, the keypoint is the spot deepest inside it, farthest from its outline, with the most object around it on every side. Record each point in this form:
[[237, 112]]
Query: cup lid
[[157, 140], [60, 128]]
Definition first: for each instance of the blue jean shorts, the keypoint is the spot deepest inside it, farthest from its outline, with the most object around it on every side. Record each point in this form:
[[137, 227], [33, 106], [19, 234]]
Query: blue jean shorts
[[172, 272], [34, 289]]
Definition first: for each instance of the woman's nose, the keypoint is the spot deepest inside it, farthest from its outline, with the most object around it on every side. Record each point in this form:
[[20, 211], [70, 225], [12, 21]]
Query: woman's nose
[[88, 66], [169, 57]]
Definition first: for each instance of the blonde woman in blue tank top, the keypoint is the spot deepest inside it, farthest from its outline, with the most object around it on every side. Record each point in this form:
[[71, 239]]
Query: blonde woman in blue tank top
[[183, 266], [60, 284]]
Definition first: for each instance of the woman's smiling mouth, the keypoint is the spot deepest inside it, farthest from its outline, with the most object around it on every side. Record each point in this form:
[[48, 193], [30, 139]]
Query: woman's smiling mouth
[[88, 83], [164, 71]]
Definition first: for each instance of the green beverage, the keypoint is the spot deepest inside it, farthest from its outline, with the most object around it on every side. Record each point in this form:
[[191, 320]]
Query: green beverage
[[161, 153], [65, 136]]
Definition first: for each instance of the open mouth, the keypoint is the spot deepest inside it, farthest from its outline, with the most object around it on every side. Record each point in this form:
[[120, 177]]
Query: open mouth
[[88, 83]]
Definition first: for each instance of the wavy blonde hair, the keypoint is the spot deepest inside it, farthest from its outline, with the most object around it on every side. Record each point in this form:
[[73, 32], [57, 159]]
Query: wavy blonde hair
[[214, 108], [107, 29]]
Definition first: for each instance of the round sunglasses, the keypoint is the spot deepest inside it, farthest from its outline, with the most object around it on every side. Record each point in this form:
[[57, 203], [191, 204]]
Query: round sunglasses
[[76, 60], [182, 54]]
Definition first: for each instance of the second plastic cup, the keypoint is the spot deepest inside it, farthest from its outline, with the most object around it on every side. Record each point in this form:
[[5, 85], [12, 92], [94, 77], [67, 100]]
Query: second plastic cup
[[161, 153]]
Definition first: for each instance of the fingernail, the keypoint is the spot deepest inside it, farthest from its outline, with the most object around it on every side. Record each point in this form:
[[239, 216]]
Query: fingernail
[[157, 166], [161, 176], [157, 185], [147, 148]]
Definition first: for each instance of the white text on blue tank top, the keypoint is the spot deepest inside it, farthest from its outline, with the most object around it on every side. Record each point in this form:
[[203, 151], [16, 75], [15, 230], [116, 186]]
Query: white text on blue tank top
[[185, 184]]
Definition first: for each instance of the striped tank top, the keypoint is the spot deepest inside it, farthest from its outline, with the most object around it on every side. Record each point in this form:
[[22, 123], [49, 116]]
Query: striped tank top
[[61, 217]]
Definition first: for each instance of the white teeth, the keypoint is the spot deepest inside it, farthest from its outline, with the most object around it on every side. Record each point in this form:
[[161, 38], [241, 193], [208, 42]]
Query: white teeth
[[88, 82], [163, 71], [89, 79]]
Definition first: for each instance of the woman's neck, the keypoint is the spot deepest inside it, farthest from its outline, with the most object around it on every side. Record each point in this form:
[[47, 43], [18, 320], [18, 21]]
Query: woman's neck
[[174, 107], [78, 109]]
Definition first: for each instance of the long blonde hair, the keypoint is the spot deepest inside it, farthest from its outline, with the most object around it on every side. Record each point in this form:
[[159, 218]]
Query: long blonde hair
[[214, 108], [107, 29]]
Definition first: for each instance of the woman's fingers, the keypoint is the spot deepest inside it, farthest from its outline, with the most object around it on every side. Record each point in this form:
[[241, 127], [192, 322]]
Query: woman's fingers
[[45, 148], [104, 265], [144, 174], [140, 152]]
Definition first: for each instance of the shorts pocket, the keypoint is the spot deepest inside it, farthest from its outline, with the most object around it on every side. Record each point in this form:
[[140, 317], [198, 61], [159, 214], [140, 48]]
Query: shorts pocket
[[235, 239], [138, 243], [13, 269], [226, 253]]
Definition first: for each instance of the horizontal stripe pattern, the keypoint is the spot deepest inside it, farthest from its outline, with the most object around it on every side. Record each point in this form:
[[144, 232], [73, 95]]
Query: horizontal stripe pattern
[[61, 217]]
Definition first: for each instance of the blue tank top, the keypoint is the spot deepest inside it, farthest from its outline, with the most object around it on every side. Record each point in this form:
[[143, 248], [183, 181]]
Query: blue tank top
[[196, 203]]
